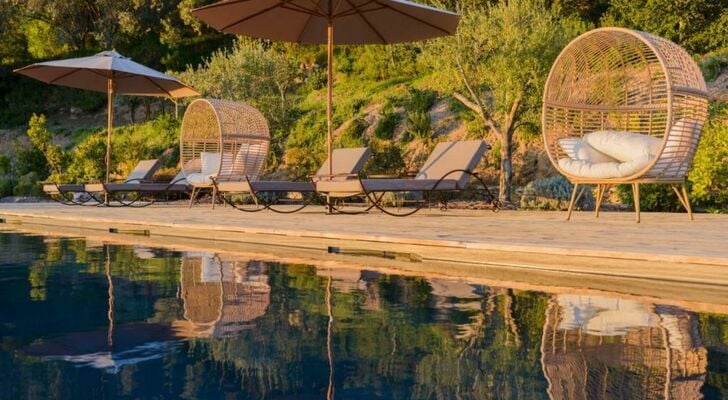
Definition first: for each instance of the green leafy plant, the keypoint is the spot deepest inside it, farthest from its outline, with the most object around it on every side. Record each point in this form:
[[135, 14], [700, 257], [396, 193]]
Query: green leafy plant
[[709, 174], [41, 138], [387, 123], [553, 193]]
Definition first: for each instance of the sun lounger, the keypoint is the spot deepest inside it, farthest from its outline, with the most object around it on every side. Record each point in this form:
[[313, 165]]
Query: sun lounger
[[144, 192], [67, 193], [347, 163], [448, 168]]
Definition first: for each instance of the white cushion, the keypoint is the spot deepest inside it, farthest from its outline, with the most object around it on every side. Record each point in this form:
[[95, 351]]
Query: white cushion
[[604, 170], [210, 163], [624, 146], [579, 149], [199, 179]]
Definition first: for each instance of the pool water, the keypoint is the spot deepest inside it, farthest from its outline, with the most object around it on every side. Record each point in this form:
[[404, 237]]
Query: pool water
[[85, 320]]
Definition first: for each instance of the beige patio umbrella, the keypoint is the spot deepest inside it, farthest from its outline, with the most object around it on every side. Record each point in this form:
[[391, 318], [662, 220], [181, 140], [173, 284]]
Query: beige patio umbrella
[[314, 22], [111, 73]]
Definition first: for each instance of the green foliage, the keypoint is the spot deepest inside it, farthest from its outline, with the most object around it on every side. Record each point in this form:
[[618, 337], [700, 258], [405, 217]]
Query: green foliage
[[87, 160], [698, 25], [352, 136], [265, 77], [388, 121], [29, 159], [133, 143], [552, 193], [652, 197], [383, 62], [41, 138], [386, 159], [497, 62], [28, 185], [5, 164], [713, 65], [6, 186], [417, 108], [709, 173]]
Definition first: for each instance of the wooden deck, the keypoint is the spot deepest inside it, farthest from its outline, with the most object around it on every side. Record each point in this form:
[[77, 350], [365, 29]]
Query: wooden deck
[[664, 255]]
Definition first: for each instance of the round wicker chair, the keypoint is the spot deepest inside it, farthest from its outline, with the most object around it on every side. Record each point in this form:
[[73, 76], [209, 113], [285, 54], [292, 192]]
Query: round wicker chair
[[222, 140], [626, 80]]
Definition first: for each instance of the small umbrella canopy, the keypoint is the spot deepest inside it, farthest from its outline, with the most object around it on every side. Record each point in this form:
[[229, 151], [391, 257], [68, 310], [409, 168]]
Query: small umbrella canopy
[[94, 72], [314, 22], [111, 73]]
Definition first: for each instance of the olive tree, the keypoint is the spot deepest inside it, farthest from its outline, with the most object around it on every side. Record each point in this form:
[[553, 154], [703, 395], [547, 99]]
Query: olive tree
[[251, 72], [496, 65]]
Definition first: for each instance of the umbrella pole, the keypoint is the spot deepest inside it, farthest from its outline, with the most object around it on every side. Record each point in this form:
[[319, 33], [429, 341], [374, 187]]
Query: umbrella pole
[[109, 122], [329, 103]]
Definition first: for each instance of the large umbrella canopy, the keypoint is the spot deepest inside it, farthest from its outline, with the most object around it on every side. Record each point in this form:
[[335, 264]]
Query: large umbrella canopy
[[108, 72], [307, 21], [331, 22]]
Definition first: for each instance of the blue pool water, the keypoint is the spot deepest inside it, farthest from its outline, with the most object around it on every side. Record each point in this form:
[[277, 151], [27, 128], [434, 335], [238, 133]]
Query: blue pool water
[[84, 320]]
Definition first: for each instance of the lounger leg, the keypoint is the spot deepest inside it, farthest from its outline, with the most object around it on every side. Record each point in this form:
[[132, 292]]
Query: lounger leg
[[636, 195], [214, 196], [572, 201], [193, 195]]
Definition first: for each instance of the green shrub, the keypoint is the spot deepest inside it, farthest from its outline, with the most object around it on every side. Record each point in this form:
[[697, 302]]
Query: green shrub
[[652, 197], [352, 134], [5, 164], [386, 159], [419, 125], [712, 65], [709, 174], [87, 160], [421, 100], [418, 117], [29, 159], [41, 138], [28, 185], [6, 186], [387, 123], [553, 193]]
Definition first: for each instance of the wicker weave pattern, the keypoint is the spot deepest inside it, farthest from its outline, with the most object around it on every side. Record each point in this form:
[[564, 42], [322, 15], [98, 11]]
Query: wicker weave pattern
[[620, 79], [236, 130]]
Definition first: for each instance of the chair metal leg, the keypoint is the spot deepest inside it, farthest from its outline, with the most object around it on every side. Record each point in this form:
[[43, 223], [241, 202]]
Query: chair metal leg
[[572, 201], [193, 195], [214, 196], [682, 195], [687, 201], [636, 195], [598, 201]]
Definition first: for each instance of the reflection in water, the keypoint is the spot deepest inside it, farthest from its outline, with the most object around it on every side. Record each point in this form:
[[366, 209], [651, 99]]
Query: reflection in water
[[600, 347], [221, 297], [132, 322]]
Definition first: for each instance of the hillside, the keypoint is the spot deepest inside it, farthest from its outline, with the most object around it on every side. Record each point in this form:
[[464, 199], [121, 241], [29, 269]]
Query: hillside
[[484, 82]]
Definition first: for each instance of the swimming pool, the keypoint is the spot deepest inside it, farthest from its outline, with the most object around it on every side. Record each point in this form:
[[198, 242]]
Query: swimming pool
[[82, 319]]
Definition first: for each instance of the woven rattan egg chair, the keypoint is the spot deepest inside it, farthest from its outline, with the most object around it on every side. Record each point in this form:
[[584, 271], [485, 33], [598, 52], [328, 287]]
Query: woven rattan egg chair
[[626, 80], [224, 141]]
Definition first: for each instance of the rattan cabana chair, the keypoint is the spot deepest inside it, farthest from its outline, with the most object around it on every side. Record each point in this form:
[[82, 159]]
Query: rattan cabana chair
[[448, 169], [624, 80], [347, 164], [223, 140]]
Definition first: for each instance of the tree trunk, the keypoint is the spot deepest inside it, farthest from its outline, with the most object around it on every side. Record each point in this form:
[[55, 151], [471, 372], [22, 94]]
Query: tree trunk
[[506, 168]]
